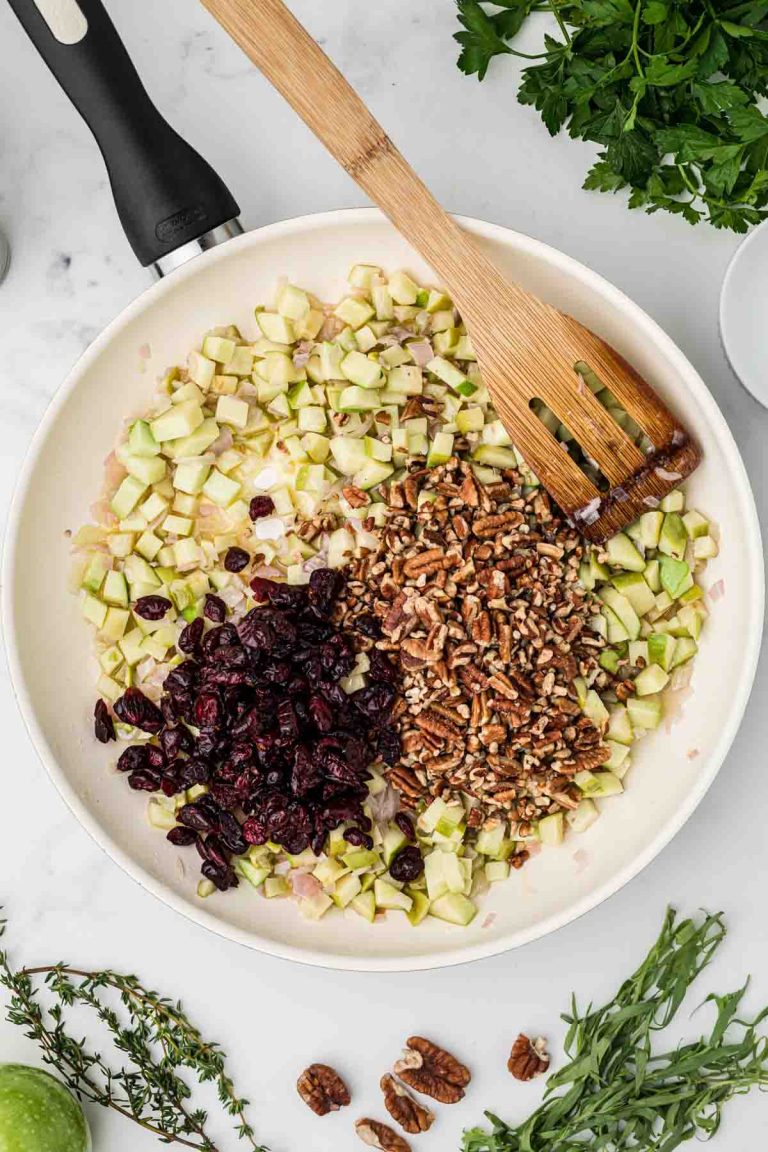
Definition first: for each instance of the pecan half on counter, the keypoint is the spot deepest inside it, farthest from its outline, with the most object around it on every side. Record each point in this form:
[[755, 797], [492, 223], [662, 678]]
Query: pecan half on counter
[[322, 1089], [528, 1058], [432, 1071], [412, 1116], [381, 1136]]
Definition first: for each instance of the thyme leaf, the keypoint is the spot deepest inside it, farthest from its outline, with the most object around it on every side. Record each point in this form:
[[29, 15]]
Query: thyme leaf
[[155, 1035]]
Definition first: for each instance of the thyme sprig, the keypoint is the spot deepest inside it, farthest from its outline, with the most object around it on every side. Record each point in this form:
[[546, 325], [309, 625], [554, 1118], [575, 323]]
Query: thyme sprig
[[155, 1035], [616, 1094]]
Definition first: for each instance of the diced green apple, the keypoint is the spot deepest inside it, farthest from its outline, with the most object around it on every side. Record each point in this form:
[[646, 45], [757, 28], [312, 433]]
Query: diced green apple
[[177, 422], [623, 554], [634, 586], [673, 538], [453, 908], [127, 496], [141, 442]]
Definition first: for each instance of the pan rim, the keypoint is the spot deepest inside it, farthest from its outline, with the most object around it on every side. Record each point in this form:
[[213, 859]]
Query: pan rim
[[471, 952]]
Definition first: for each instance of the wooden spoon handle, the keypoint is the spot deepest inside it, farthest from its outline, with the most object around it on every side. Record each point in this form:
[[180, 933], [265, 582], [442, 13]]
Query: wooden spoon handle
[[299, 69]]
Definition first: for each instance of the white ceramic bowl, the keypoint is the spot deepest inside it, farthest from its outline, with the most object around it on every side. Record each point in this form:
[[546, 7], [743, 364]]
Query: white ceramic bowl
[[49, 646], [743, 330]]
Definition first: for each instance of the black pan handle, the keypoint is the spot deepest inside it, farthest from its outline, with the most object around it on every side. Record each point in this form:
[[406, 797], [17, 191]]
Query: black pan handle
[[166, 194]]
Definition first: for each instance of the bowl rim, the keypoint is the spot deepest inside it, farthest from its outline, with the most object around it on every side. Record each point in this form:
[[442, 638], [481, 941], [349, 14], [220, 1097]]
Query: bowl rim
[[731, 349], [471, 952]]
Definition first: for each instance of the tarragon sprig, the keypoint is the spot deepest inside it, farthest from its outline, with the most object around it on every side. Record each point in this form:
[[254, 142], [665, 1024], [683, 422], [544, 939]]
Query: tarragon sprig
[[155, 1035], [616, 1093]]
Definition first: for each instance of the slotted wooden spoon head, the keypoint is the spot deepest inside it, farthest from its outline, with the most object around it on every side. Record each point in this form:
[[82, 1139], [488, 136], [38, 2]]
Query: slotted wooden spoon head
[[534, 359], [528, 351]]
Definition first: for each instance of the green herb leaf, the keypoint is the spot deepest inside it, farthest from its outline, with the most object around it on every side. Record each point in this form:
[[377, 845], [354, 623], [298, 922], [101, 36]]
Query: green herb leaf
[[159, 1042], [644, 81], [616, 1093], [480, 41]]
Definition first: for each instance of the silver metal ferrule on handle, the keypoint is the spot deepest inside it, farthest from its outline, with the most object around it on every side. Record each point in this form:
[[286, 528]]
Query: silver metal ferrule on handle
[[219, 235]]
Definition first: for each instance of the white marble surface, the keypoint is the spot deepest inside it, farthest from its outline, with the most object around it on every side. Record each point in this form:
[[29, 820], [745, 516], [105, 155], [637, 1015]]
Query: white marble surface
[[72, 271]]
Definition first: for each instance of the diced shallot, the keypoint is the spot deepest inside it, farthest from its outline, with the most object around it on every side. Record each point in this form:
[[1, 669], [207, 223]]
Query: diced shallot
[[304, 886], [422, 352]]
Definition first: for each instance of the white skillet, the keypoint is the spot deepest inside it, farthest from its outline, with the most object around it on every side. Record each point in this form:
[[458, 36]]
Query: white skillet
[[49, 645]]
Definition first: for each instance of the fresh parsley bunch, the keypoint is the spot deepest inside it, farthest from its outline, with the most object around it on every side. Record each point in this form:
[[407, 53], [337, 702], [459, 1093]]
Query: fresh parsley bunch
[[669, 89]]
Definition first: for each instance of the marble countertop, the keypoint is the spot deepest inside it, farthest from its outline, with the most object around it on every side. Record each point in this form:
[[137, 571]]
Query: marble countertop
[[72, 271]]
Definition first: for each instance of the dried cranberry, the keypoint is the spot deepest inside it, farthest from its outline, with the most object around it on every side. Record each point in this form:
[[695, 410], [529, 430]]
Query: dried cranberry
[[288, 596], [375, 701], [133, 758], [231, 834], [225, 794], [155, 757], [223, 878], [208, 712], [195, 816], [261, 588], [212, 849], [103, 724], [256, 630], [151, 607], [181, 837], [169, 785], [181, 679], [225, 636], [214, 608], [261, 506], [174, 740], [405, 824], [193, 771], [368, 625], [358, 839], [381, 668], [144, 780], [388, 745], [407, 866], [134, 708], [306, 774], [254, 831], [191, 635], [321, 713], [286, 719], [236, 559], [338, 656], [325, 585]]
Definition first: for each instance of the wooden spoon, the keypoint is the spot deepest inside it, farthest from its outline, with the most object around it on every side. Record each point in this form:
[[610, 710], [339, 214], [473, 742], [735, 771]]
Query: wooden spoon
[[526, 349]]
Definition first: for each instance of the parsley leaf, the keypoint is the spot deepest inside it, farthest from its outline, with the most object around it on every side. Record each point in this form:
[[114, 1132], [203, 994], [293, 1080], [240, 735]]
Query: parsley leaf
[[480, 41], [669, 90]]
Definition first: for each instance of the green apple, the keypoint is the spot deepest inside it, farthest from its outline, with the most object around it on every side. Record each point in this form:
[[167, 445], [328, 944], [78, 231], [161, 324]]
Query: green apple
[[38, 1114]]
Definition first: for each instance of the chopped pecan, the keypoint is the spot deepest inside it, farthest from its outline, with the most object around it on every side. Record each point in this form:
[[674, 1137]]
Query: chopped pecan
[[322, 1089], [469, 492], [436, 725], [407, 783], [381, 1136], [481, 630], [425, 563], [355, 497], [485, 526], [528, 1058], [432, 1071], [412, 1116], [624, 690]]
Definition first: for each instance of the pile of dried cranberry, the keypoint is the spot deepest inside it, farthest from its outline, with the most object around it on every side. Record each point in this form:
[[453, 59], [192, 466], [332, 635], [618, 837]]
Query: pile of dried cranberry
[[257, 712]]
